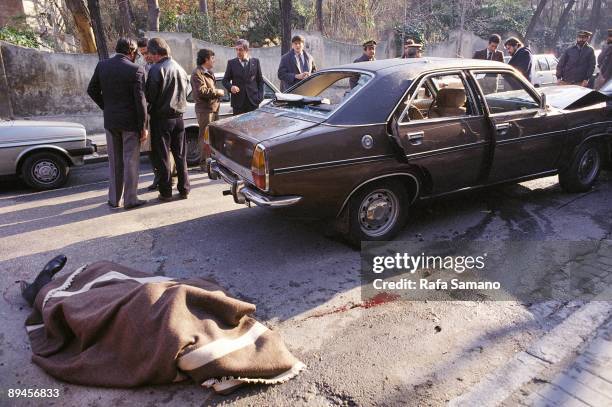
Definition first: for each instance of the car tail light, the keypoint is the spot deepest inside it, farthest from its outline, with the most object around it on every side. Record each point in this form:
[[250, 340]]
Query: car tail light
[[207, 150], [259, 168]]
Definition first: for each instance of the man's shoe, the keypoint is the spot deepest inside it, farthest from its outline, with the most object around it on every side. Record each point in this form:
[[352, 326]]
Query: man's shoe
[[153, 186], [183, 195], [164, 198], [138, 203], [112, 205], [29, 291]]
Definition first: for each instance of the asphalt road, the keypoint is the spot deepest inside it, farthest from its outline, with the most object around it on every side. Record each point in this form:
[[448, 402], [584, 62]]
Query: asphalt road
[[304, 284]]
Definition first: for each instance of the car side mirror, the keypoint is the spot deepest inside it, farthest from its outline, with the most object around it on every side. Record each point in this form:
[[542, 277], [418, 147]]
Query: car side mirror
[[543, 101]]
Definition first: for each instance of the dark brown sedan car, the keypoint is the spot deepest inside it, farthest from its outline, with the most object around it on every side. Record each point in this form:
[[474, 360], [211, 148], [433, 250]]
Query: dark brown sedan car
[[362, 142]]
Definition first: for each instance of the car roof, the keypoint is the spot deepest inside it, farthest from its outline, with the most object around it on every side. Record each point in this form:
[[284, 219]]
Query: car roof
[[418, 65]]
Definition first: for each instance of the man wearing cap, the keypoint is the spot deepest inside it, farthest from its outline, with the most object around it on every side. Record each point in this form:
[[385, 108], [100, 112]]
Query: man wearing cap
[[369, 54], [491, 52], [296, 64], [604, 61], [577, 63], [412, 49]]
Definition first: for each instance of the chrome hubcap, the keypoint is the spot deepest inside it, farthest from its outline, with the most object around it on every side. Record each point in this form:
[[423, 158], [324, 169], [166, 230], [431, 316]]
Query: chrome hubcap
[[45, 171], [378, 212], [589, 164], [193, 147]]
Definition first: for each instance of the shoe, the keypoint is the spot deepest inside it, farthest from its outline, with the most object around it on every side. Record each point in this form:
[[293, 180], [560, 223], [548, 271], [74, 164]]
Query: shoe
[[138, 203], [112, 205], [153, 186], [164, 198], [183, 195], [30, 291]]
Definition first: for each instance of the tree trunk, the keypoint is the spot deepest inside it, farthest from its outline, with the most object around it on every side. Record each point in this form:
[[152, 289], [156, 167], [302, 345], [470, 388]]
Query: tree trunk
[[534, 20], [153, 14], [595, 19], [563, 21], [125, 24], [83, 25], [98, 29], [285, 8], [320, 16], [204, 7]]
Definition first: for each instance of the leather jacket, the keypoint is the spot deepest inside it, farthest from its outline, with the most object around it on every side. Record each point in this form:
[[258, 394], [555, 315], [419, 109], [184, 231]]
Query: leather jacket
[[166, 89]]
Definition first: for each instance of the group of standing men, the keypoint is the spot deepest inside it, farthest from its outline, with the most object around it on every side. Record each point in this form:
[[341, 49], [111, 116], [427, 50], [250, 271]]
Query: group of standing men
[[142, 88], [575, 67], [136, 98]]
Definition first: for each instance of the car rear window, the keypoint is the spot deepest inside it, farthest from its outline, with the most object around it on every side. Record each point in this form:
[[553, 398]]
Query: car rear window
[[332, 88]]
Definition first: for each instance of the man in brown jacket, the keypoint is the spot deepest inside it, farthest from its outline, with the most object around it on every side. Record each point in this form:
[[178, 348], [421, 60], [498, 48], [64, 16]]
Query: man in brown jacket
[[205, 95]]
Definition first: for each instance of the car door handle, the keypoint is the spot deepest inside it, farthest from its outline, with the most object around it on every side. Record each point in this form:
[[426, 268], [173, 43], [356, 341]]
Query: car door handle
[[416, 137], [502, 128]]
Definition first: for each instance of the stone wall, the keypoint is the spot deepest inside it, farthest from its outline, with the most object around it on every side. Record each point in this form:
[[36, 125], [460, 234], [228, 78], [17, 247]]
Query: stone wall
[[459, 45], [42, 83]]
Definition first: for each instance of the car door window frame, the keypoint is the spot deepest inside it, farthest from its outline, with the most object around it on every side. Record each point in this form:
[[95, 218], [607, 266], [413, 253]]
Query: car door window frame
[[425, 79], [528, 88]]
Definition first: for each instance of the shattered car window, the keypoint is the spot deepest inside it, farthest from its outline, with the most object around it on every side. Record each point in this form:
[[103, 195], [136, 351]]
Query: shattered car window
[[324, 92]]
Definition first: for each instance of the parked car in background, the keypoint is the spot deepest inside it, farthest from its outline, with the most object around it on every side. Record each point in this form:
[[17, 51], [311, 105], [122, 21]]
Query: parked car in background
[[543, 69], [412, 129], [42, 152], [194, 146]]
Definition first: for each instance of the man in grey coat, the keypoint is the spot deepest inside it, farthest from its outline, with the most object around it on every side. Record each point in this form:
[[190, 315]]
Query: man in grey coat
[[296, 64], [577, 63], [117, 87]]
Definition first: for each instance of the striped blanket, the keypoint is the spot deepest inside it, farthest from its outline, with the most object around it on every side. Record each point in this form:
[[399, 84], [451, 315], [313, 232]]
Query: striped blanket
[[108, 325]]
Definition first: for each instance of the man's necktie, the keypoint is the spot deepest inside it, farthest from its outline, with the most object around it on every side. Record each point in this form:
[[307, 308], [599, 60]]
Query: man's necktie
[[304, 64]]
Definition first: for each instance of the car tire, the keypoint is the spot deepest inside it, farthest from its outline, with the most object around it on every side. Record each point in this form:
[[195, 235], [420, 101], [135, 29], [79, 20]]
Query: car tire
[[583, 171], [194, 148], [44, 171], [377, 212]]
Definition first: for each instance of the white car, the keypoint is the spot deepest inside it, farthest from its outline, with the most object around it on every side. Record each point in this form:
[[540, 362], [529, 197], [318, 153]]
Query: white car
[[42, 152], [543, 69], [194, 146]]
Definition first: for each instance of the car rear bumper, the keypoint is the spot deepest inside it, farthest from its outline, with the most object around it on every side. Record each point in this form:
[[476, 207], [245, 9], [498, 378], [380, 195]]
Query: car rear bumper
[[244, 193]]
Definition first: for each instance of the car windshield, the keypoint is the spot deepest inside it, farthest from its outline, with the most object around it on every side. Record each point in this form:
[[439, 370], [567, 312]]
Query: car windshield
[[322, 93]]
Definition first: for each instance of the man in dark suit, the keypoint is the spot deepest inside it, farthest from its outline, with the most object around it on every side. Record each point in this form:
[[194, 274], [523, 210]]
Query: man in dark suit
[[117, 86], [522, 58], [491, 52], [296, 64], [166, 91], [244, 80]]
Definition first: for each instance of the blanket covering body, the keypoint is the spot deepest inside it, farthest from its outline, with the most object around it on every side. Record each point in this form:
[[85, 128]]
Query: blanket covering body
[[112, 326]]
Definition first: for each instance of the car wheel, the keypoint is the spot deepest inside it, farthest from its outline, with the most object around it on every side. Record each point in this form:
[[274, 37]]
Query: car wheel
[[583, 171], [43, 171], [378, 211], [194, 148]]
